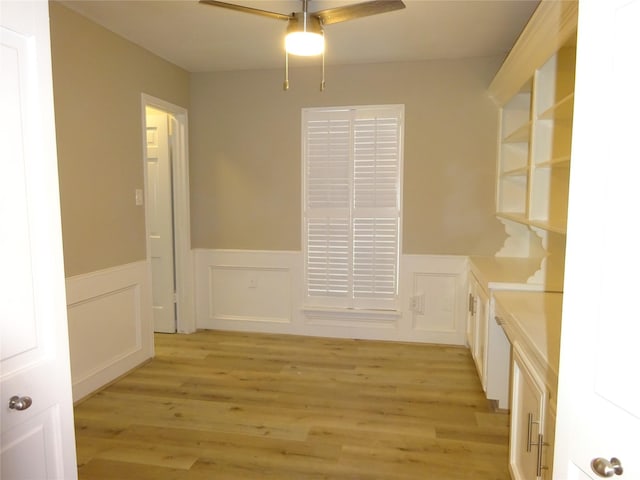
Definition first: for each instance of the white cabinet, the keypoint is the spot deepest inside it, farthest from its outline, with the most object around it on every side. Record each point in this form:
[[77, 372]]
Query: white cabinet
[[531, 321], [471, 327], [477, 327], [528, 445], [489, 346], [486, 339]]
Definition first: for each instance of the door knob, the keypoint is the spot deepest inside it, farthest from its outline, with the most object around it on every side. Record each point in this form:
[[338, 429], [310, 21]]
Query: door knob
[[19, 403], [606, 468]]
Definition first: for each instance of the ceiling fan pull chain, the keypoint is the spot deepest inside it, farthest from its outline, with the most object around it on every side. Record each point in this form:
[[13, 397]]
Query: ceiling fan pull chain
[[322, 83], [285, 86]]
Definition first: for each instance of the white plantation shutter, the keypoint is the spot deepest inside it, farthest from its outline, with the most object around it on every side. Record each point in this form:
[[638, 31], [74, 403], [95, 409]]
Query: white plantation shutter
[[352, 179], [328, 257]]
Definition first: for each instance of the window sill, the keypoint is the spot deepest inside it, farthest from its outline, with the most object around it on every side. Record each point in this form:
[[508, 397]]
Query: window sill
[[338, 316]]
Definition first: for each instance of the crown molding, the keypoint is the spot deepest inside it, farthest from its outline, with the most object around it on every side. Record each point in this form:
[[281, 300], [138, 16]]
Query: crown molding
[[551, 26]]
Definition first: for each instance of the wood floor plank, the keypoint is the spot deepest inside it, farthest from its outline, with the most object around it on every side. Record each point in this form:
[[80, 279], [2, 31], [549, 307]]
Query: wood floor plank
[[224, 405]]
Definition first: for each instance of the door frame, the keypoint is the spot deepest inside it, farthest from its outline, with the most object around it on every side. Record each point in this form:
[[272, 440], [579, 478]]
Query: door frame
[[183, 256]]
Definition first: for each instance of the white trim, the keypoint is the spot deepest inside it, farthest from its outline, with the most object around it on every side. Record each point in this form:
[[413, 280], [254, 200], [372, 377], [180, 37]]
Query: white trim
[[110, 324], [183, 256]]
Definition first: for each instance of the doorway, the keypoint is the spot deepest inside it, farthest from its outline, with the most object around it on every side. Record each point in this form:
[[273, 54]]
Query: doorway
[[166, 198]]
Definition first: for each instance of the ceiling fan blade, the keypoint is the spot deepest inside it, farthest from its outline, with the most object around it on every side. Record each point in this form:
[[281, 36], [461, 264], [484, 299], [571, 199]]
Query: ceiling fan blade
[[240, 8], [358, 10]]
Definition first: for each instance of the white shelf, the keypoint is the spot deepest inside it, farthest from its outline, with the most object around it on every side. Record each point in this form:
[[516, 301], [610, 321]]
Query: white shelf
[[563, 110], [514, 217], [519, 135], [550, 227], [559, 162], [516, 172]]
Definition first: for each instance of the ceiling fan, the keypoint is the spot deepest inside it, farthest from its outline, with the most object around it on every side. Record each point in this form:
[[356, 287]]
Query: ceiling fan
[[305, 34]]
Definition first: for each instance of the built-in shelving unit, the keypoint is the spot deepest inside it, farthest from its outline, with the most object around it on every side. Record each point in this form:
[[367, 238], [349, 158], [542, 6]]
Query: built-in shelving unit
[[536, 121], [534, 89], [535, 146]]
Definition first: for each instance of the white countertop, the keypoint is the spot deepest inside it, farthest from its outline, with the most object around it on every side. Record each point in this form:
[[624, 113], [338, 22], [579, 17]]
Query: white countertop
[[533, 320], [505, 273]]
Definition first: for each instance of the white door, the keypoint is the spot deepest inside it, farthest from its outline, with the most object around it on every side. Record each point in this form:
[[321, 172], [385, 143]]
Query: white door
[[36, 416], [599, 391], [160, 219]]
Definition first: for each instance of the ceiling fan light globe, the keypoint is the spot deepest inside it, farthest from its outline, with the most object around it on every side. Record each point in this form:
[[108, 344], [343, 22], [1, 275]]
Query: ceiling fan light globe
[[305, 44]]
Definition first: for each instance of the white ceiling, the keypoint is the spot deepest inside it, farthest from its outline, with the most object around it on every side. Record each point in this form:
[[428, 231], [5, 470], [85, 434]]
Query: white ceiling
[[201, 38]]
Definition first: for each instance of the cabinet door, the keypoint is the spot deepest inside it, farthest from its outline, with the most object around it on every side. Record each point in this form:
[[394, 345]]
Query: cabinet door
[[477, 327], [471, 318], [528, 405], [482, 310]]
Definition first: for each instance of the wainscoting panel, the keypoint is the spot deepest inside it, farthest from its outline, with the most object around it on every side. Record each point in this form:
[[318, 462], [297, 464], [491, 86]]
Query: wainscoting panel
[[434, 291], [254, 294], [436, 303], [263, 291], [110, 325], [247, 290]]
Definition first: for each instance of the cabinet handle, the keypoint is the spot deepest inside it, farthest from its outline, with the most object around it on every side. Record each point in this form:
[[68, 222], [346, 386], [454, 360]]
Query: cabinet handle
[[539, 466], [472, 309], [530, 422]]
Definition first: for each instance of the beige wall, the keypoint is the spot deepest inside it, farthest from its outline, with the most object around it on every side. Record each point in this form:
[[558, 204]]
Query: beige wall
[[245, 152], [98, 78], [245, 147]]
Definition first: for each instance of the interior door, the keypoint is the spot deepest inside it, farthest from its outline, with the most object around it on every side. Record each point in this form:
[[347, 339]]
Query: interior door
[[599, 393], [160, 219], [36, 417]]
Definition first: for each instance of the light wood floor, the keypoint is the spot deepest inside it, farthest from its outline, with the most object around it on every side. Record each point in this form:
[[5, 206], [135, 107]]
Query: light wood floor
[[217, 405]]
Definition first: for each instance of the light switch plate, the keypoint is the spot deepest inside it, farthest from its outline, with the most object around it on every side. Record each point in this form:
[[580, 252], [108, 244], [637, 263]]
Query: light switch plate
[[139, 197]]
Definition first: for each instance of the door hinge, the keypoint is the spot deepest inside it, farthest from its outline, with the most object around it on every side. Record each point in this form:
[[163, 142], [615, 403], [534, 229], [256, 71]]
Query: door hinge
[[175, 297]]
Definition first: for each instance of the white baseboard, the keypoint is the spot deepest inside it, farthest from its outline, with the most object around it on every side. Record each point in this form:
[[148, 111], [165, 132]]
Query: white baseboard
[[110, 325], [262, 291]]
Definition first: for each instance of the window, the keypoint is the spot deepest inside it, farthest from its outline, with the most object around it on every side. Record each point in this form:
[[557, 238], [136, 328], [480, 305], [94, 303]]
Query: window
[[352, 169]]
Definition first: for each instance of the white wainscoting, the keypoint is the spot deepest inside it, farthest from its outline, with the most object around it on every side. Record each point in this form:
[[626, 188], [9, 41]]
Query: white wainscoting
[[434, 290], [247, 290], [262, 291], [110, 325]]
